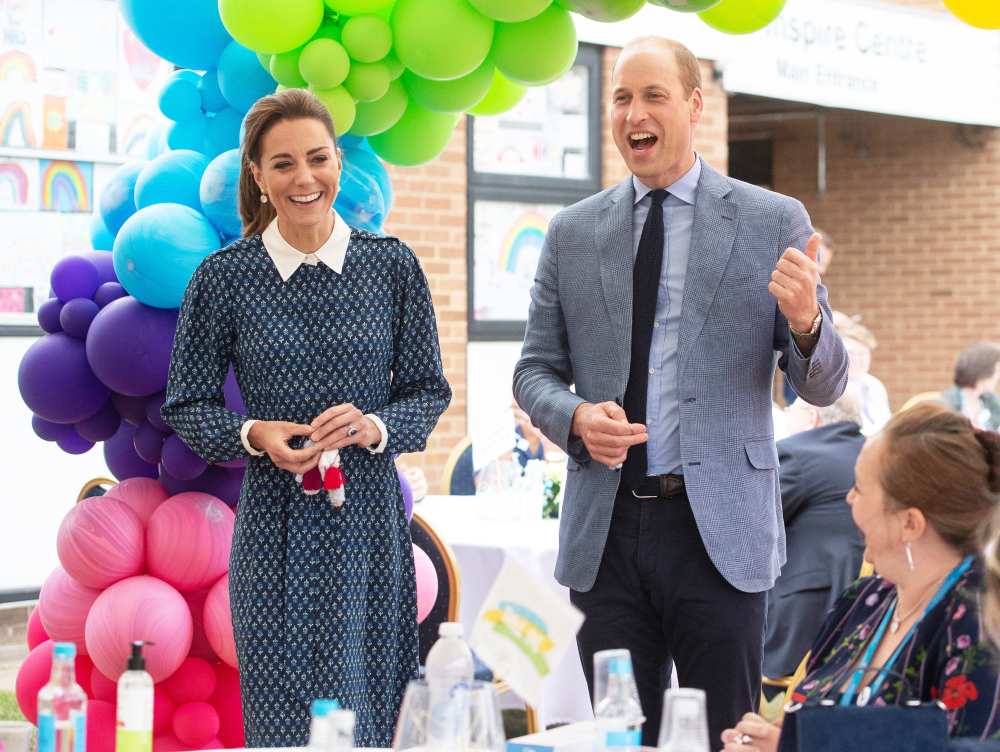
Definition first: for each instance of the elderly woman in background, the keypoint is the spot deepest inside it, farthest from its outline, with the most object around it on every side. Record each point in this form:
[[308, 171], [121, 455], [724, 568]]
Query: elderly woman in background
[[974, 392], [870, 392], [923, 488]]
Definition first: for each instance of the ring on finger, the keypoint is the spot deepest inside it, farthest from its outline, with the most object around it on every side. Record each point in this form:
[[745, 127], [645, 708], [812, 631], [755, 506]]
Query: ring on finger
[[352, 430], [743, 738]]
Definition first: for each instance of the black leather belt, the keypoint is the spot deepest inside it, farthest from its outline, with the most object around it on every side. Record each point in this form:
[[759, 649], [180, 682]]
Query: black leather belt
[[660, 487]]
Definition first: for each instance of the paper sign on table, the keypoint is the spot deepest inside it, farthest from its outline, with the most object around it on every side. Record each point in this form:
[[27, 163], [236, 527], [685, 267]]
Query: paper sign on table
[[523, 630]]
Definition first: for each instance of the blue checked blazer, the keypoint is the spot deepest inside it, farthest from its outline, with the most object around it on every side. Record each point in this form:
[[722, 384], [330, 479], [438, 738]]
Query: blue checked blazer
[[577, 348]]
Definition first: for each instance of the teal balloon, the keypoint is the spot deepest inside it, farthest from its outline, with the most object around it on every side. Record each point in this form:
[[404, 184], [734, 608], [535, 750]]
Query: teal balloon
[[218, 193], [510, 11], [367, 38], [742, 16], [440, 39], [359, 199], [188, 33], [173, 177], [180, 98], [157, 250], [418, 137], [156, 140], [374, 117], [538, 51], [117, 202], [211, 95], [188, 134], [241, 78], [686, 6], [223, 132], [101, 238], [456, 95], [605, 11]]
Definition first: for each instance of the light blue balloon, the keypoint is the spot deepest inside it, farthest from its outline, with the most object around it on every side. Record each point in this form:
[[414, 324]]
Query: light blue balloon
[[241, 78], [188, 33], [101, 238], [219, 191], [223, 132], [188, 134], [158, 249], [211, 95], [156, 140], [365, 159], [172, 178], [360, 201], [179, 97], [118, 197]]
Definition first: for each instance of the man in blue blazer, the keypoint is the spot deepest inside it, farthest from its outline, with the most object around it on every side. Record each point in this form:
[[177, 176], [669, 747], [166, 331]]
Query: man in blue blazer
[[659, 309]]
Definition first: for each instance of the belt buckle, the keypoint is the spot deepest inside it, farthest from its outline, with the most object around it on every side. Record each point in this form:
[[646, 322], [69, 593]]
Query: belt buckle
[[642, 497]]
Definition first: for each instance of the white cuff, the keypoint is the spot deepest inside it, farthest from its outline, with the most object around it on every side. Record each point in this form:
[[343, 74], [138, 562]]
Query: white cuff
[[382, 430], [245, 438]]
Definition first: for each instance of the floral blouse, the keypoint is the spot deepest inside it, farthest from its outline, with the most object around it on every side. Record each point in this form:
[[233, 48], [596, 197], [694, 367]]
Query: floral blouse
[[947, 659]]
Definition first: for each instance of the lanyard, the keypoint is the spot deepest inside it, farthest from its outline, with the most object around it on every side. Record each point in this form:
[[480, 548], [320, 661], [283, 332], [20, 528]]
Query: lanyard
[[848, 697]]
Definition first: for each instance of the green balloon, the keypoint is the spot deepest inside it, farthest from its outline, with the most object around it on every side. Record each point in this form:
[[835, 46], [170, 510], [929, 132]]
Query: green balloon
[[284, 69], [357, 7], [341, 106], [267, 26], [605, 11], [502, 95], [329, 31], [538, 51], [418, 137], [367, 38], [686, 6], [742, 16], [395, 67], [324, 63], [510, 11], [440, 39], [367, 81], [382, 114], [456, 95]]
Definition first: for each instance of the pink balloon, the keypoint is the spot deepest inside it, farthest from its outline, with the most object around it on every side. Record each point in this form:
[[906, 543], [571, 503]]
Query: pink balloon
[[219, 621], [163, 710], [103, 688], [35, 672], [228, 702], [35, 631], [200, 647], [427, 583], [196, 723], [101, 541], [63, 606], [168, 743], [83, 669], [188, 540], [100, 726], [139, 608], [194, 681], [213, 744], [143, 495]]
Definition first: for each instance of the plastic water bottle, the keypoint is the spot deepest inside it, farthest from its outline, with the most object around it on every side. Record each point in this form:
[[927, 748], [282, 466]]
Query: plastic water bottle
[[319, 730], [62, 706], [449, 665], [619, 713], [134, 732], [340, 731]]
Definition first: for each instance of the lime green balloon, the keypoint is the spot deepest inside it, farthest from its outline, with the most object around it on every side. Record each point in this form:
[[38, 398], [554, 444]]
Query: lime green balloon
[[440, 39], [382, 114], [686, 6], [324, 63], [502, 95], [341, 106], [329, 30], [456, 95], [742, 16], [358, 7], [395, 67], [510, 11], [269, 26], [537, 51], [605, 11], [284, 69], [418, 137], [367, 38], [367, 81]]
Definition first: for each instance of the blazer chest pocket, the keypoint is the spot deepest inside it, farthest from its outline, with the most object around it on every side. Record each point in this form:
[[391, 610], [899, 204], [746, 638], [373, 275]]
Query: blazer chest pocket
[[762, 453]]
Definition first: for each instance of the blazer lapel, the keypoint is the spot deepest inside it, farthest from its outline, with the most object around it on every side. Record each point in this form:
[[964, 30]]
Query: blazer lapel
[[614, 241], [712, 237]]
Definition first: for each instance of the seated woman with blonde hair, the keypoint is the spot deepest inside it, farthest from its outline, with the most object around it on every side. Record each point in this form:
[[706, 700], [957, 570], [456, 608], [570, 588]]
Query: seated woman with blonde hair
[[923, 488]]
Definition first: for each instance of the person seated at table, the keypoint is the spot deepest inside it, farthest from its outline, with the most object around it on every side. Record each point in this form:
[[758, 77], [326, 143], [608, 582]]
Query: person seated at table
[[922, 489], [974, 391], [873, 399]]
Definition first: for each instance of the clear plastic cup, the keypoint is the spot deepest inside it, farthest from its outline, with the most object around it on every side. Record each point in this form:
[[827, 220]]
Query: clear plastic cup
[[16, 736], [684, 727]]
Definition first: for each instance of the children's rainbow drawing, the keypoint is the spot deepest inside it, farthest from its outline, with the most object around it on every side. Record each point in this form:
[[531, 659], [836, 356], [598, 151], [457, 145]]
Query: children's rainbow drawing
[[135, 135], [17, 67], [13, 186], [523, 241], [526, 629], [66, 185], [15, 126]]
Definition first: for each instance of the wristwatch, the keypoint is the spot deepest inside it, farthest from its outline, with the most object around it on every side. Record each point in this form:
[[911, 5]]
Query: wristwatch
[[813, 330]]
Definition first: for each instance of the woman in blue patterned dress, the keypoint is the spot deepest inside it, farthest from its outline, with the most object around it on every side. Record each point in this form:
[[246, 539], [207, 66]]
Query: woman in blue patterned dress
[[332, 336]]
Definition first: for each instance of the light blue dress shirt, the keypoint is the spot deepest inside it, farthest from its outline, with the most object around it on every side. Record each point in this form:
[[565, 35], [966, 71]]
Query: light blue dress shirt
[[663, 452]]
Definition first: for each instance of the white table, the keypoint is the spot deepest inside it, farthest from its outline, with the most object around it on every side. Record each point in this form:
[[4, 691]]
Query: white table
[[481, 543]]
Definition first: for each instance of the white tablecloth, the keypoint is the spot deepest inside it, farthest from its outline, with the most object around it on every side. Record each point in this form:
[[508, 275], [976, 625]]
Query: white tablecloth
[[481, 542]]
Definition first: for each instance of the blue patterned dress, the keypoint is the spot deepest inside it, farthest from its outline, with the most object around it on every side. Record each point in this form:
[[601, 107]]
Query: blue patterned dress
[[323, 601]]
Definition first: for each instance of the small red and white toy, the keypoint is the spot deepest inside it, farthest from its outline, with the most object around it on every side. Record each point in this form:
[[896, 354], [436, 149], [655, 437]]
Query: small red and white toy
[[327, 476]]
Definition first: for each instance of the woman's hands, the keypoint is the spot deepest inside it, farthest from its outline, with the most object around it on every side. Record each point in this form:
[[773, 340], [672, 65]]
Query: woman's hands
[[752, 734], [344, 425], [272, 437]]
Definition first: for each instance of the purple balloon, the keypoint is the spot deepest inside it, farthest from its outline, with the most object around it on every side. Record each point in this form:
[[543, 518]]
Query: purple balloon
[[234, 399], [180, 461], [129, 344], [49, 431], [241, 462], [104, 262], [132, 409], [76, 315], [148, 442], [56, 381], [74, 277], [218, 481], [121, 458], [74, 443], [100, 426], [404, 487], [107, 292], [153, 405], [48, 315]]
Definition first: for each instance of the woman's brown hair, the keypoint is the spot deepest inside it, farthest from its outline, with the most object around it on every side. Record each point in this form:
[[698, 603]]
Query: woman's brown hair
[[937, 462], [290, 104]]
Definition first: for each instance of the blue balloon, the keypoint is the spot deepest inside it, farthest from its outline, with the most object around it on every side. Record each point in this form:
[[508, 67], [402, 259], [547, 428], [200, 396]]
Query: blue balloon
[[101, 238], [366, 159], [223, 131], [188, 134], [241, 78], [179, 97], [171, 178], [118, 196], [219, 191], [211, 95], [359, 200], [158, 250], [188, 33]]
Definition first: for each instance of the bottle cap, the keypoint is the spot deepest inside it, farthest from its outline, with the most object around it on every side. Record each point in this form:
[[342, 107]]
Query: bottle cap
[[64, 650], [322, 707], [450, 629], [620, 665], [136, 661], [341, 720]]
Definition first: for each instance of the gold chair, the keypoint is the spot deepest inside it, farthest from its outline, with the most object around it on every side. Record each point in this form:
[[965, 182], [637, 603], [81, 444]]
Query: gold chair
[[95, 487], [920, 397]]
